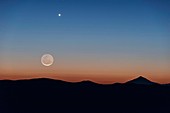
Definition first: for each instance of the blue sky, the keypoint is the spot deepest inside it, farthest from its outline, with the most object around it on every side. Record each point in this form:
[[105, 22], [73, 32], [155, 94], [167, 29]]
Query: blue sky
[[108, 30]]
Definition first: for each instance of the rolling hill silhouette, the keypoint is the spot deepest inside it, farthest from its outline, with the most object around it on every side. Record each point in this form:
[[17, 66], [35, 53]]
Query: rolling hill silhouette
[[55, 96]]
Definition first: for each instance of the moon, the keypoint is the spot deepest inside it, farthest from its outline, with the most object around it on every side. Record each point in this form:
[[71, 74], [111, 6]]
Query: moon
[[47, 60]]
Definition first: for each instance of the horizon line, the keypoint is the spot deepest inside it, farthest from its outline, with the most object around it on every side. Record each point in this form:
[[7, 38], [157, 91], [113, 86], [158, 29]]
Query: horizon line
[[85, 80]]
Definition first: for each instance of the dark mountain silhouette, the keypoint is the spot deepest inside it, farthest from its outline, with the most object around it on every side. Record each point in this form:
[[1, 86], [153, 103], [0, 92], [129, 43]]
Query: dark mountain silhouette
[[141, 80], [56, 96]]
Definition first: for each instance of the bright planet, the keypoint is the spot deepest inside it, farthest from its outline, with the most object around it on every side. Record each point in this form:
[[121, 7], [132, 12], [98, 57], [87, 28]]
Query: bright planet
[[47, 60]]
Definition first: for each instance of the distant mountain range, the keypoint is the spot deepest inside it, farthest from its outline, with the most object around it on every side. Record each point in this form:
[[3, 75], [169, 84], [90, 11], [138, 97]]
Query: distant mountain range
[[43, 95], [139, 80]]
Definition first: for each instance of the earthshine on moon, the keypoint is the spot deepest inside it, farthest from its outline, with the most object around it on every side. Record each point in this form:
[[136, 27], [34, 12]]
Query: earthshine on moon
[[47, 59]]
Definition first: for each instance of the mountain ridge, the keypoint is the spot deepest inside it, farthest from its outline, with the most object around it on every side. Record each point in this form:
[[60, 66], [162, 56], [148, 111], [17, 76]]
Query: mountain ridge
[[43, 95], [138, 80]]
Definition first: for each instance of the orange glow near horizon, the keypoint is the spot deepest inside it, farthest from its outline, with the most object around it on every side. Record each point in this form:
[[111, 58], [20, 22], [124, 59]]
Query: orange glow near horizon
[[73, 76], [96, 70]]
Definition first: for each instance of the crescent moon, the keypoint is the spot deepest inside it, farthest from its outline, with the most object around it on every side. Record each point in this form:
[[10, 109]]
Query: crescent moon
[[47, 60]]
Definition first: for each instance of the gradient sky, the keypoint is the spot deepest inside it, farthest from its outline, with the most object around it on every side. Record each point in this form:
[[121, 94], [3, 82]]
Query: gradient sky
[[100, 40]]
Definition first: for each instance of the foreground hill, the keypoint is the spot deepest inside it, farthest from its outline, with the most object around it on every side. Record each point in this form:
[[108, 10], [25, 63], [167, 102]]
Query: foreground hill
[[55, 96]]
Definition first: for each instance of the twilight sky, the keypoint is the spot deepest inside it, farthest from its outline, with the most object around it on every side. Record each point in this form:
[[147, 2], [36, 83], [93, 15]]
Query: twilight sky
[[100, 40]]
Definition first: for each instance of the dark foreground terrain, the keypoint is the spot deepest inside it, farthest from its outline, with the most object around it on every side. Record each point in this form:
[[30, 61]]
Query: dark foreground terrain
[[55, 96]]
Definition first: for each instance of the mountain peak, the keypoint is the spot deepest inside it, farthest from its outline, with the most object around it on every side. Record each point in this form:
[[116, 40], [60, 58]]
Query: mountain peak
[[141, 80], [141, 77]]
